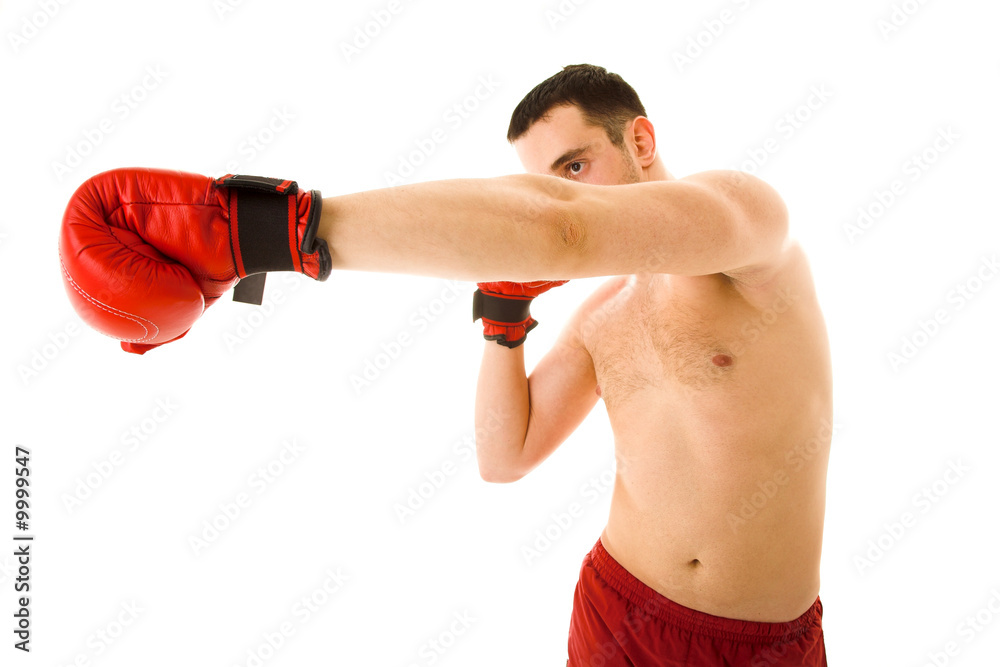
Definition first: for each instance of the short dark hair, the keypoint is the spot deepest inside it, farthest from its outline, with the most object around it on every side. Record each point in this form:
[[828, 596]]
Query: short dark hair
[[604, 98]]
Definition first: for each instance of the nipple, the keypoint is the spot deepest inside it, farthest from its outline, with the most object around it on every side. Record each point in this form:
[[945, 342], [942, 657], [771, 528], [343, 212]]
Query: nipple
[[598, 390], [722, 360]]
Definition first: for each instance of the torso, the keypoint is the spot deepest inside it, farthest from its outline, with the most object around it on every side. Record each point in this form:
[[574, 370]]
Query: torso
[[720, 401]]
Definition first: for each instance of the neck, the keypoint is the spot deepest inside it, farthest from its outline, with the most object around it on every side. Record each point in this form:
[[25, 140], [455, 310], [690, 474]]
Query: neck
[[657, 171]]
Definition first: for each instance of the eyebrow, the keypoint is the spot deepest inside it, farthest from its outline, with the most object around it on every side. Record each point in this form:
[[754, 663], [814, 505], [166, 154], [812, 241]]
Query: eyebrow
[[568, 156]]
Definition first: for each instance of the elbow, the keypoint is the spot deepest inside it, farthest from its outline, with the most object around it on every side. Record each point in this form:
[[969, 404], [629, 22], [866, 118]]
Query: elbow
[[569, 237], [552, 209], [568, 225]]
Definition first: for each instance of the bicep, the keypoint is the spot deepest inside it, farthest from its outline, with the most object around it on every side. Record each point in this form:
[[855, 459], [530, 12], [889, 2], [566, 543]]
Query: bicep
[[562, 390]]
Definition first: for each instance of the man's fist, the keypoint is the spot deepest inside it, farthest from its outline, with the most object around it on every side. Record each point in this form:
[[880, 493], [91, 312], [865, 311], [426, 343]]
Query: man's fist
[[145, 251], [503, 307]]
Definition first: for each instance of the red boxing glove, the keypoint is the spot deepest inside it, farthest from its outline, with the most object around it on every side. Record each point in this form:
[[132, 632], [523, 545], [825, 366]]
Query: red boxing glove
[[504, 307], [145, 251]]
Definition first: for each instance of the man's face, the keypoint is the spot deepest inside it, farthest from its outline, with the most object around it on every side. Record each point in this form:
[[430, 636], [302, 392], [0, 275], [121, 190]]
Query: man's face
[[564, 145]]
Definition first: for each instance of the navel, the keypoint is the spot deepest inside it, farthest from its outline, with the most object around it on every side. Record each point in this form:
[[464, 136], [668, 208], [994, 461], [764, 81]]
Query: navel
[[722, 360]]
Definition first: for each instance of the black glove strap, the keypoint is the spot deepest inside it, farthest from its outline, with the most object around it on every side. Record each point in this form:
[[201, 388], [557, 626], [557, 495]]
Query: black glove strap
[[509, 310], [250, 289], [260, 203]]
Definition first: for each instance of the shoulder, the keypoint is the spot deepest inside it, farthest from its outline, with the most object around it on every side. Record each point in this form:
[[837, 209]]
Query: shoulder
[[591, 314], [752, 194], [606, 291], [745, 195]]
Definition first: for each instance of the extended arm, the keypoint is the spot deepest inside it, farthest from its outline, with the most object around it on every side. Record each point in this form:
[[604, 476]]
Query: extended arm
[[144, 251], [712, 222], [479, 230], [535, 227]]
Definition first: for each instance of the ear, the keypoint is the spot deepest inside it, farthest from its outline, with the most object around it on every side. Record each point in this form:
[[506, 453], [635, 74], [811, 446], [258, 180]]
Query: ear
[[644, 137]]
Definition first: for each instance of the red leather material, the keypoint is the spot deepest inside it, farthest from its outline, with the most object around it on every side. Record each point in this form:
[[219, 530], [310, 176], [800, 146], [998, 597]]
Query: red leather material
[[531, 289], [145, 251], [513, 334]]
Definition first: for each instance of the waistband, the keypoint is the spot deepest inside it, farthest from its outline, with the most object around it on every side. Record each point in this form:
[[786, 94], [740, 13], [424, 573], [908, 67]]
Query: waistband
[[654, 604]]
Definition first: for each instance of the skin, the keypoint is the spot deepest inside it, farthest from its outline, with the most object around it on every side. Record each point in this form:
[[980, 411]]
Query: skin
[[703, 270], [528, 227], [715, 375]]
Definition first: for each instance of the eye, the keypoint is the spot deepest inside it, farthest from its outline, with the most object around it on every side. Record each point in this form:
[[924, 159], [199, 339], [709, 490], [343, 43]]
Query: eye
[[571, 165]]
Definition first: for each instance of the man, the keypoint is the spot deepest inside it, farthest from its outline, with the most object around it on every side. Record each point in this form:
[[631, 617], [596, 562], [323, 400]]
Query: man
[[708, 348], [716, 380]]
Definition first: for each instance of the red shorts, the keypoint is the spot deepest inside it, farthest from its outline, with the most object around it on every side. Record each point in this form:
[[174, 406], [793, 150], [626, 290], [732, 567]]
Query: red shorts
[[618, 620]]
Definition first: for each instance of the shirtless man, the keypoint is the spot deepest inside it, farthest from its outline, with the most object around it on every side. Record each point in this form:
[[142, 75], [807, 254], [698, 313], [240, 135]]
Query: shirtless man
[[717, 383], [708, 348]]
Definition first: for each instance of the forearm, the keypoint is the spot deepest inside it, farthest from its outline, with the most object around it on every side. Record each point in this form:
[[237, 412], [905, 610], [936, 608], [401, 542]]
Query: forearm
[[502, 412], [478, 230]]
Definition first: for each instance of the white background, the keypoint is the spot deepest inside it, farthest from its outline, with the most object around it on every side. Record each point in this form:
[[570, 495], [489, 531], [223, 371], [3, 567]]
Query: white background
[[72, 396]]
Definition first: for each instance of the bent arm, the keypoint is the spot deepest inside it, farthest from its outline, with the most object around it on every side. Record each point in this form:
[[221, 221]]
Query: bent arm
[[502, 411], [521, 421]]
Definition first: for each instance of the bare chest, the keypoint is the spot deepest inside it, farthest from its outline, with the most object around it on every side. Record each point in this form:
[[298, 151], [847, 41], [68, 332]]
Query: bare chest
[[645, 337]]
